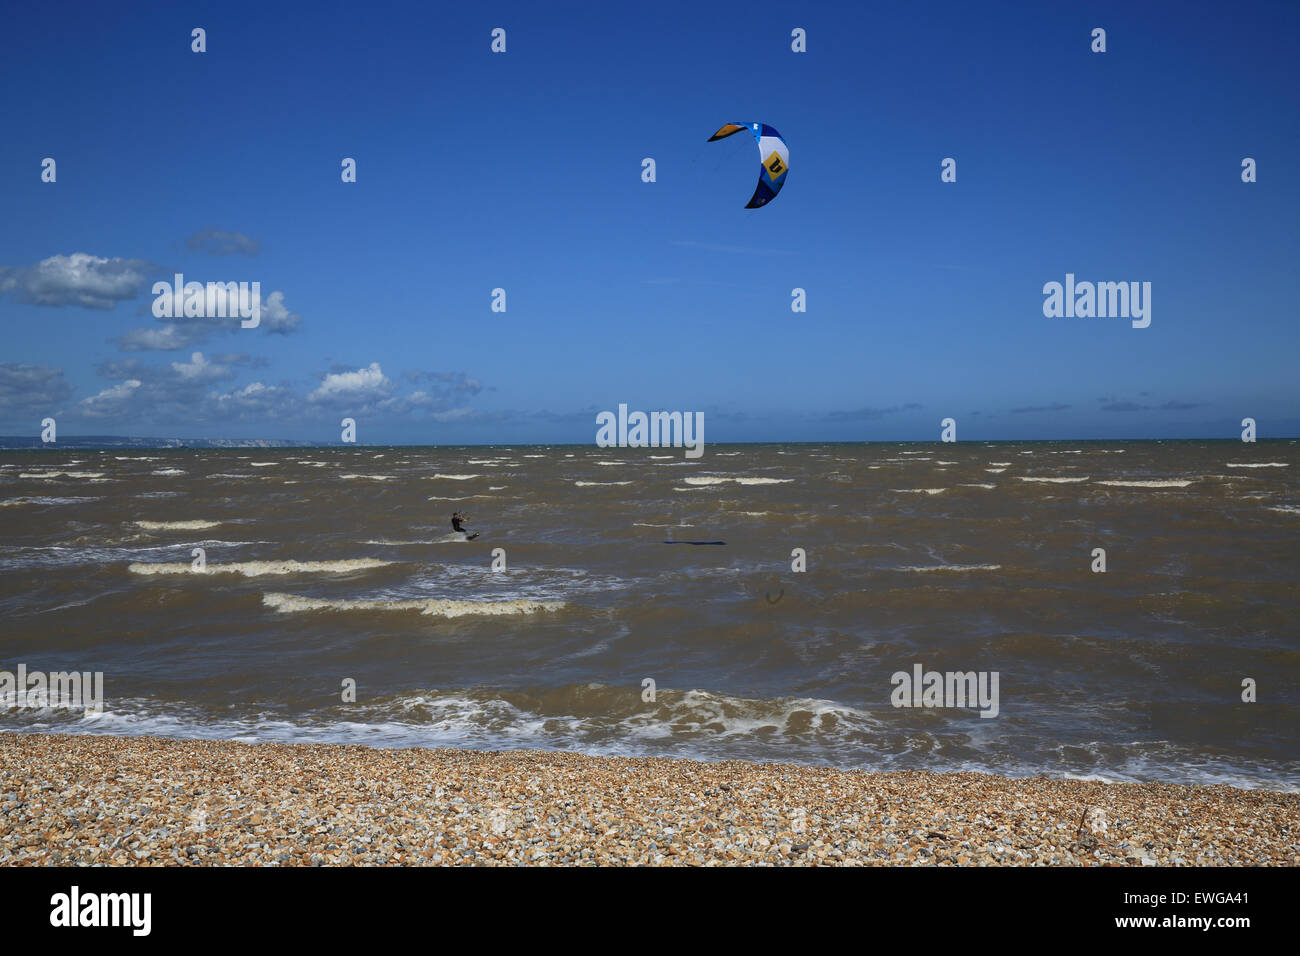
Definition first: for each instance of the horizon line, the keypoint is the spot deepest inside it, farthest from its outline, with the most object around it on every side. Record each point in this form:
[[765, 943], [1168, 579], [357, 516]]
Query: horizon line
[[311, 443]]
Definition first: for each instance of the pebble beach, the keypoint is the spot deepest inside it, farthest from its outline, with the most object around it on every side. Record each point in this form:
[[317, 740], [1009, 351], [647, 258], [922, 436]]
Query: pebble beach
[[149, 801]]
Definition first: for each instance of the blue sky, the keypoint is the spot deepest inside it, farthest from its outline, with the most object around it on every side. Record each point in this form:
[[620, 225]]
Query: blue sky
[[522, 171]]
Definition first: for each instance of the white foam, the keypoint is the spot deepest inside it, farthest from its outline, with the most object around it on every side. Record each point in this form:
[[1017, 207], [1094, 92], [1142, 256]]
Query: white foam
[[713, 727], [1261, 464], [168, 471], [953, 567], [589, 484], [60, 474], [453, 477], [452, 537], [918, 491], [1055, 481], [1148, 483], [175, 525], [44, 500], [738, 481], [253, 569], [371, 477], [975, 484], [433, 607]]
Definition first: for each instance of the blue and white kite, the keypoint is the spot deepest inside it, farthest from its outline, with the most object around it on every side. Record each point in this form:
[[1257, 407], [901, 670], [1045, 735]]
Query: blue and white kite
[[773, 155]]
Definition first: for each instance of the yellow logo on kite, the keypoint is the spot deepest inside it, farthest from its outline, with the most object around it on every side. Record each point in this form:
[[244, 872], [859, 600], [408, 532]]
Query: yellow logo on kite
[[774, 165]]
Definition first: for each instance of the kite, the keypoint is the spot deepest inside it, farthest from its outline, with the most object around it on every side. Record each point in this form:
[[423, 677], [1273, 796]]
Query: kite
[[773, 155]]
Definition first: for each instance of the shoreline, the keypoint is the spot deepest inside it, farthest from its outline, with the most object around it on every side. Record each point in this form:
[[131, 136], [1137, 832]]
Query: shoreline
[[144, 801]]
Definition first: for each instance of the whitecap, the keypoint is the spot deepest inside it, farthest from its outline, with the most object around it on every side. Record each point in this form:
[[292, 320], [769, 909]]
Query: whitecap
[[1148, 483], [253, 569], [433, 607], [196, 525]]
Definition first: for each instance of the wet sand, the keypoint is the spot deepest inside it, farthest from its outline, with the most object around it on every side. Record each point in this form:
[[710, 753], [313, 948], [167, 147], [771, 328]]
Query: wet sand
[[98, 800]]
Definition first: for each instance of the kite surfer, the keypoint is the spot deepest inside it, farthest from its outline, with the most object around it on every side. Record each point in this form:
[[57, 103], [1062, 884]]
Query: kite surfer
[[456, 519]]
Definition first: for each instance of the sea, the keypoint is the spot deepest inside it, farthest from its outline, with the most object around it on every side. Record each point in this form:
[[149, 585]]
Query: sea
[[1135, 601]]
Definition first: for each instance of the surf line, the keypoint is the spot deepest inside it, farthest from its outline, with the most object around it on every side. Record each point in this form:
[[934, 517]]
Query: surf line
[[656, 430]]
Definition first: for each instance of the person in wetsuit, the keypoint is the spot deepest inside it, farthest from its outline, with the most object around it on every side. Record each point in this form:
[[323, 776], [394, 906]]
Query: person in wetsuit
[[456, 519]]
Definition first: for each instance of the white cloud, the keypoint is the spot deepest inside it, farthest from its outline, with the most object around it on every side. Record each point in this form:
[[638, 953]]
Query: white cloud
[[166, 338], [93, 282], [256, 401], [111, 401], [276, 317], [365, 384], [199, 369]]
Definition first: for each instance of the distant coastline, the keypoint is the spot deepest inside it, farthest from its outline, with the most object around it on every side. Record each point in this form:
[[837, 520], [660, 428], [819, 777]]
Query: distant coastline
[[91, 442]]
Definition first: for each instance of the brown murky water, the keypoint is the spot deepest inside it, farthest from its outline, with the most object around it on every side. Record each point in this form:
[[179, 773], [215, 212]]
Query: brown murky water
[[326, 564]]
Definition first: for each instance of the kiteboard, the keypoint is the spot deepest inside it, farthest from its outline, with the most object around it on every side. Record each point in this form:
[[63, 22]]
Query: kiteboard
[[455, 536]]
